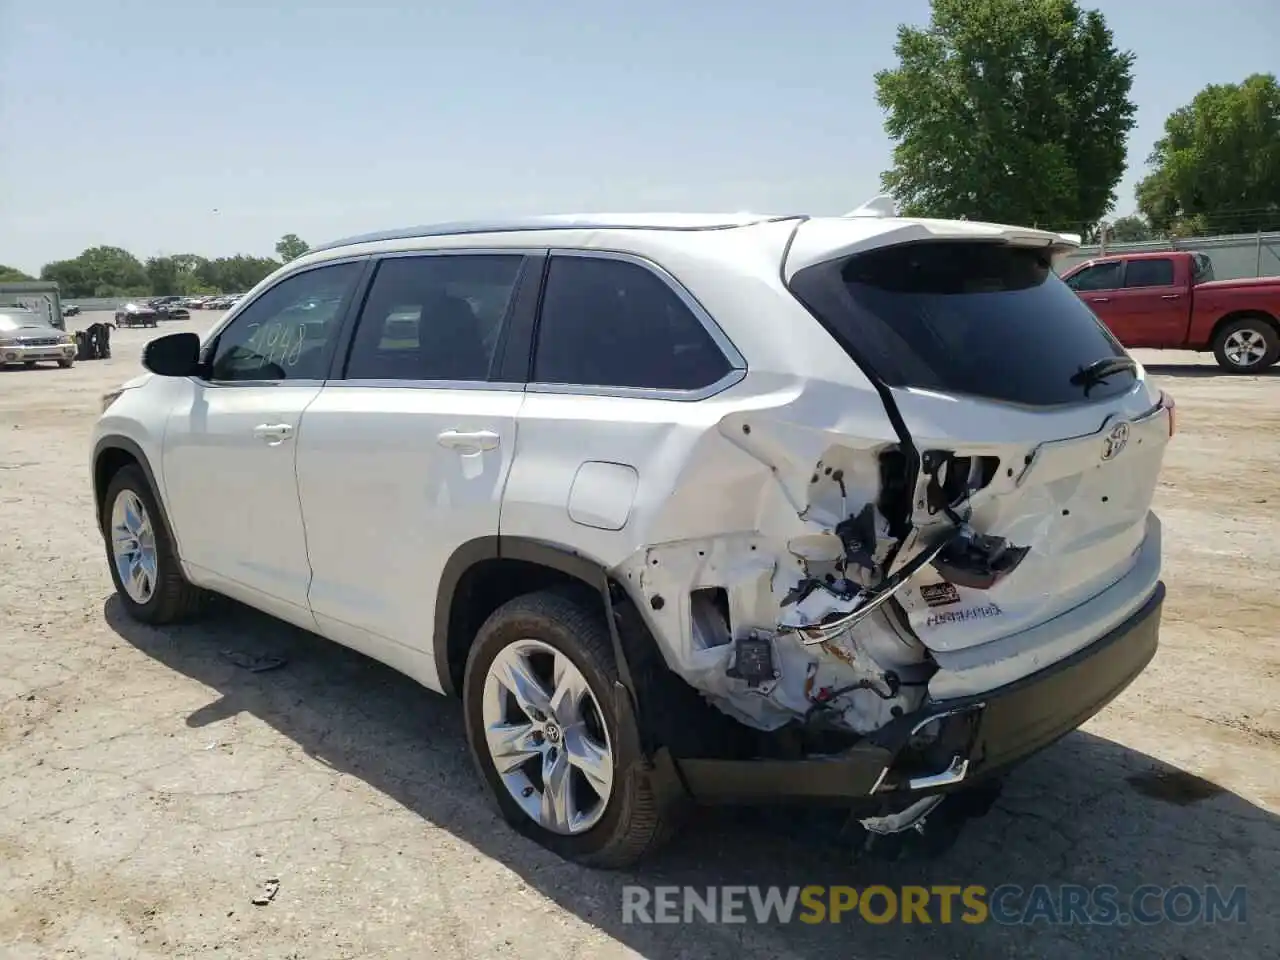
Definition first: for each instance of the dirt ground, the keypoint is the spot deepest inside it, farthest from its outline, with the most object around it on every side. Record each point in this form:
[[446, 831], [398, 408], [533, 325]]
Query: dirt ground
[[149, 787]]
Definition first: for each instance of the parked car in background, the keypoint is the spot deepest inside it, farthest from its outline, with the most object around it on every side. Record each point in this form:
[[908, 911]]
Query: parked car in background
[[70, 310], [173, 310], [733, 509], [26, 337], [1169, 300], [140, 314]]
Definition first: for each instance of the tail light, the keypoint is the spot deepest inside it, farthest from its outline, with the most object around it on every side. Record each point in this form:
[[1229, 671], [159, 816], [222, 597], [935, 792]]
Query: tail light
[[1166, 401]]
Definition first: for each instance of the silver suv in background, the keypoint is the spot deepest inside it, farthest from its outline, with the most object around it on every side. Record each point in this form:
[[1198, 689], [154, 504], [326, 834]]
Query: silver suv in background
[[27, 337]]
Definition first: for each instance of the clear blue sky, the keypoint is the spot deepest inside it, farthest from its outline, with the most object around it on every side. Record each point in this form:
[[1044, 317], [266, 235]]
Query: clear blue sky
[[215, 126]]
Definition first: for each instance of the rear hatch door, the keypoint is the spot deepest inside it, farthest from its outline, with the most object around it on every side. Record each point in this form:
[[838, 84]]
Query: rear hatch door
[[983, 358]]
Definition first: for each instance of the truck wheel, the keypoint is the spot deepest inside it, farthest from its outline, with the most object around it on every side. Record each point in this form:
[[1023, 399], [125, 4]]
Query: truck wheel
[[546, 736], [144, 564], [1246, 345], [64, 364]]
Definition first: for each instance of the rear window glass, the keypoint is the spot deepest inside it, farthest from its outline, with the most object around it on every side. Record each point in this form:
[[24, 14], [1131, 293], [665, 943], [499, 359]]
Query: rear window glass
[[982, 319]]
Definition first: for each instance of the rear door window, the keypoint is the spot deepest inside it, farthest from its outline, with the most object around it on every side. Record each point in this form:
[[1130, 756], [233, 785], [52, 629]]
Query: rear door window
[[1149, 273], [982, 319]]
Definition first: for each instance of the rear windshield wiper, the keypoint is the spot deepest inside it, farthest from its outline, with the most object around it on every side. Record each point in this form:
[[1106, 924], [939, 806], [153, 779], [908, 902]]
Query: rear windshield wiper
[[1098, 371]]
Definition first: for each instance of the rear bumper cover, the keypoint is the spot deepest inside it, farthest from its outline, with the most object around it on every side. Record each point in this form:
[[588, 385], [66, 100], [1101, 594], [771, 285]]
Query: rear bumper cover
[[977, 736]]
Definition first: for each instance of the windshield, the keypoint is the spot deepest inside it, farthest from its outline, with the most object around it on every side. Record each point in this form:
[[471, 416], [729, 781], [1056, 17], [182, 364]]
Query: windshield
[[978, 318]]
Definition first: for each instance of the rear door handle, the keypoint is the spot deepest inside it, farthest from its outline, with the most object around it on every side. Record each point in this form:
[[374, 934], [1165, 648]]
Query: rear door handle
[[1171, 296], [273, 433], [1101, 299], [469, 441]]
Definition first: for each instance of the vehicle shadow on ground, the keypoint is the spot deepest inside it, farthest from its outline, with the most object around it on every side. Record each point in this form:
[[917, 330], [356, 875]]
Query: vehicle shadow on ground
[[1189, 370], [1087, 811]]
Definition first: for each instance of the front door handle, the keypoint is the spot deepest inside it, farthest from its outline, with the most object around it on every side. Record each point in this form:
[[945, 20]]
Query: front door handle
[[273, 433], [1101, 299], [1171, 296], [472, 441]]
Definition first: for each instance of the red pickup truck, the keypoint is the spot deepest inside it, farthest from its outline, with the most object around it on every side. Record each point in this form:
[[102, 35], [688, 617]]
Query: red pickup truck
[[1169, 300]]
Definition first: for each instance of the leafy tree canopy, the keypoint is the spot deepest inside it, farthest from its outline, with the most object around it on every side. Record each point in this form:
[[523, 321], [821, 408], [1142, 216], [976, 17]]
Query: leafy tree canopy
[[291, 247], [1130, 230], [1216, 170], [98, 272], [1015, 111], [113, 272]]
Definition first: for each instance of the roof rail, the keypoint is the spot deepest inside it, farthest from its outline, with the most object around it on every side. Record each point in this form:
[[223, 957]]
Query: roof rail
[[595, 221]]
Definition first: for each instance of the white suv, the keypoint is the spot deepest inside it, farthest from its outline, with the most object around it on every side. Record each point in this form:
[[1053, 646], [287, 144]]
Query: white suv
[[729, 509]]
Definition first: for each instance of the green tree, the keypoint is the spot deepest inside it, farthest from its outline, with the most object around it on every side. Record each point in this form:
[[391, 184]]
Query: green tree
[[13, 275], [291, 246], [237, 274], [99, 272], [162, 274], [1130, 230], [1008, 110], [189, 268], [1217, 167]]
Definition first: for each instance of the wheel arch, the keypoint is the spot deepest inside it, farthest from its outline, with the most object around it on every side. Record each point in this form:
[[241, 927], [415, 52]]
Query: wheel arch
[[1235, 315], [484, 573], [110, 455]]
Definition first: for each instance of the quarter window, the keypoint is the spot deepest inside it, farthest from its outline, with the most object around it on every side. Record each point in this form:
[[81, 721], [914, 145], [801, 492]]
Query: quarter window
[[611, 323], [1149, 273], [289, 332], [434, 317], [1104, 276]]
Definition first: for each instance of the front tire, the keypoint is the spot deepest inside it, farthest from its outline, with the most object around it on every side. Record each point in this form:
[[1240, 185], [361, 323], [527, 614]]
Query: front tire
[[1247, 345], [546, 736], [64, 364], [140, 553]]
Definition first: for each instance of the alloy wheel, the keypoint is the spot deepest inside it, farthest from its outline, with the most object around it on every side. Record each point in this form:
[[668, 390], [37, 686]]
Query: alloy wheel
[[133, 546], [546, 737], [1245, 347]]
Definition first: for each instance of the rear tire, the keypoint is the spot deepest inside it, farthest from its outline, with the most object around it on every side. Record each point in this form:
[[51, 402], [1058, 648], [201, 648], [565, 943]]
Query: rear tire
[[1247, 345], [632, 821], [168, 597]]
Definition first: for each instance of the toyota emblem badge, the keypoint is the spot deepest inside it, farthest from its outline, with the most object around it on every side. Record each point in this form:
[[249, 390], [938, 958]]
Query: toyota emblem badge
[[1115, 441]]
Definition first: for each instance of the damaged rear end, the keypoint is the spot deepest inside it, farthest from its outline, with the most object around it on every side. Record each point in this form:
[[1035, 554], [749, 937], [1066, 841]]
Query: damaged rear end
[[937, 588]]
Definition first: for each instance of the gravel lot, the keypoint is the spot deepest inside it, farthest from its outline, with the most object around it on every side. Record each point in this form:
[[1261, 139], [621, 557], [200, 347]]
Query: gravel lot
[[149, 787]]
